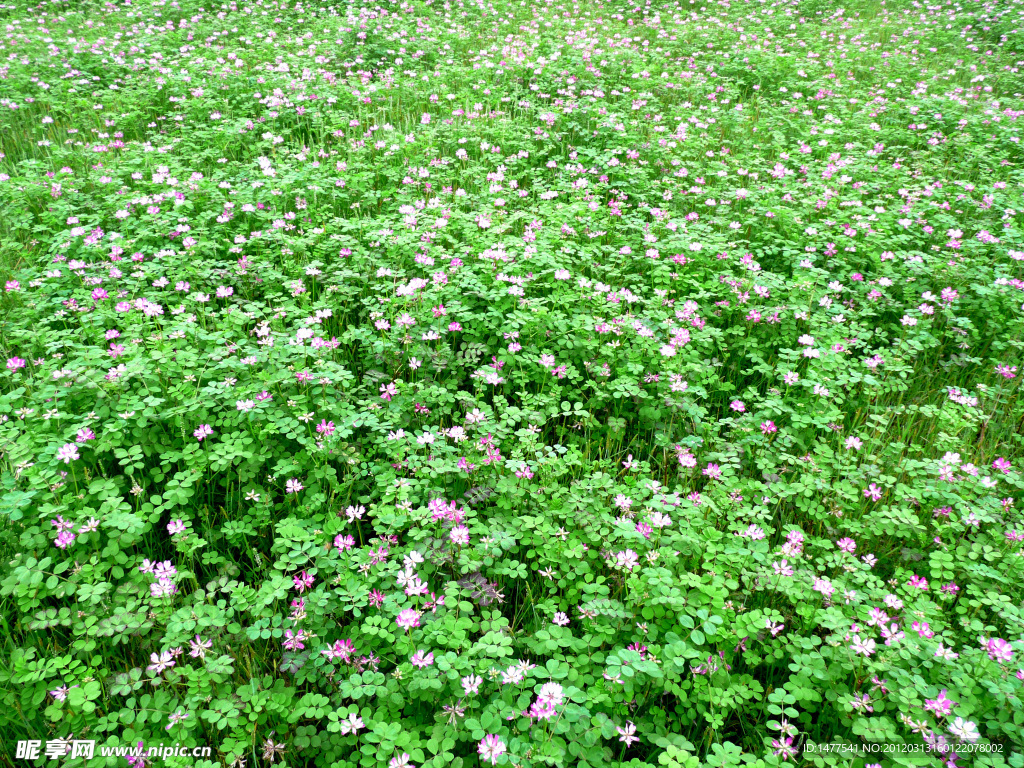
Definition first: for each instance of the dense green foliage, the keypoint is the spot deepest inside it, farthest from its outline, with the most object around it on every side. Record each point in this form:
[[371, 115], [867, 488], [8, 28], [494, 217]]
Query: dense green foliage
[[517, 383]]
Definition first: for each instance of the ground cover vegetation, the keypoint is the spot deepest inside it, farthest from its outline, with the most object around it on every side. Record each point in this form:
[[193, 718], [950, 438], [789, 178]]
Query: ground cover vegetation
[[513, 383]]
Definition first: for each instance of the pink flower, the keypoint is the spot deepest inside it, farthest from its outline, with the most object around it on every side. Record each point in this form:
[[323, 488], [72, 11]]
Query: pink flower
[[422, 659], [940, 705], [627, 735], [1007, 371], [202, 431], [353, 724], [923, 629], [877, 618], [342, 649], [782, 568], [160, 662], [471, 684], [784, 748], [999, 650], [293, 486], [686, 459], [68, 453], [824, 586], [1000, 464], [407, 619], [862, 647], [199, 647], [491, 747], [542, 710], [293, 640]]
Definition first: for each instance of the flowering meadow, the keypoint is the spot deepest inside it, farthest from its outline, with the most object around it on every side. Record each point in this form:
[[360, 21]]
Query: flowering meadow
[[539, 383]]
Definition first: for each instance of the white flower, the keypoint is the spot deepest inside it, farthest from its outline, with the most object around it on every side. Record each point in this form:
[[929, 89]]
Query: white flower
[[412, 559], [68, 453], [946, 653], [965, 730], [353, 724]]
